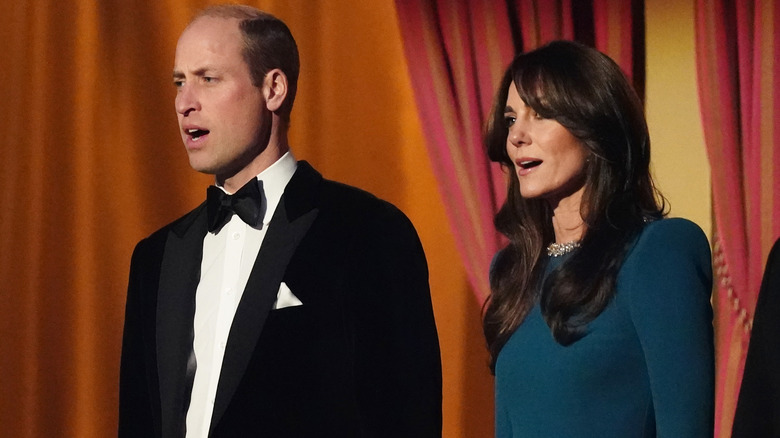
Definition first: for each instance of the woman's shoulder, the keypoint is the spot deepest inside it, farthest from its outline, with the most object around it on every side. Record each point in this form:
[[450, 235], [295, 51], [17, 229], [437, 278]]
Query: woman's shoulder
[[668, 245], [671, 234], [675, 226], [669, 267]]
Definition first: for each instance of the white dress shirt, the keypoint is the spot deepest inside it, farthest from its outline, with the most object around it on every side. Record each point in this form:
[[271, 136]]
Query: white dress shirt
[[228, 258]]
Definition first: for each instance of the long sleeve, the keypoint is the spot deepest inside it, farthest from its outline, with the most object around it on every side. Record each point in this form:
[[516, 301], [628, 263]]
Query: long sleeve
[[398, 365], [669, 280], [135, 401], [503, 423]]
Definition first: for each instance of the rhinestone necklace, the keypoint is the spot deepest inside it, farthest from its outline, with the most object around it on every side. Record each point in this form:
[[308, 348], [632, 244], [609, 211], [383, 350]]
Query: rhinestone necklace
[[559, 249]]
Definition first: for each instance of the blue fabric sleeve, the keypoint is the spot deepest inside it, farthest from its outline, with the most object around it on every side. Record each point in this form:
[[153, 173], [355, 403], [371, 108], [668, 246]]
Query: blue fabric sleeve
[[502, 423], [668, 281]]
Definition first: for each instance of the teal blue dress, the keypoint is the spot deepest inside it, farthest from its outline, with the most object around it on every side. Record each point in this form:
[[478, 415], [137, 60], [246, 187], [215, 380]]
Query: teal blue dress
[[645, 367]]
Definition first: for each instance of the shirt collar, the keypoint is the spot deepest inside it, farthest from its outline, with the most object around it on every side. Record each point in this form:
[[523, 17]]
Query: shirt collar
[[274, 180]]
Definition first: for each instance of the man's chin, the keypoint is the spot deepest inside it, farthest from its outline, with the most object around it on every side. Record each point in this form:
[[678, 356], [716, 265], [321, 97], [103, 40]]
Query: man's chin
[[207, 168]]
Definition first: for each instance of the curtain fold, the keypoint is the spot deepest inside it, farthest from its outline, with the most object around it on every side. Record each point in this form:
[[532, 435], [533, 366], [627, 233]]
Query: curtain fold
[[619, 29], [457, 52], [739, 91], [92, 162], [544, 21]]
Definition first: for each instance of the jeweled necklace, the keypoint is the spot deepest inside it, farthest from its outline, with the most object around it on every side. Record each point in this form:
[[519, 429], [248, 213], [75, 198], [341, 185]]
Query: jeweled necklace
[[559, 249]]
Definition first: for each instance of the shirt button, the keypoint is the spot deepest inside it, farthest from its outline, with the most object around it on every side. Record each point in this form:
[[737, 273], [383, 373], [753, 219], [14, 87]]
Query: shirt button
[[222, 344], [229, 291], [236, 236]]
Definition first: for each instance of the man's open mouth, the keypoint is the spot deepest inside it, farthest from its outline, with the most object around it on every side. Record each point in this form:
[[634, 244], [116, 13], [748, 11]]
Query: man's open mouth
[[196, 133]]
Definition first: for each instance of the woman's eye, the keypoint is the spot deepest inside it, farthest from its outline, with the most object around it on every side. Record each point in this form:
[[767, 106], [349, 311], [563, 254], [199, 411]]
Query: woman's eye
[[509, 120]]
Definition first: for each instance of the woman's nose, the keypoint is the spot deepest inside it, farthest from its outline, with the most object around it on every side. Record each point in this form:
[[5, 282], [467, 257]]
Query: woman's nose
[[517, 134]]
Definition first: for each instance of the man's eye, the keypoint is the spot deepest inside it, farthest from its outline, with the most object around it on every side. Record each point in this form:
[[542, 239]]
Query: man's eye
[[208, 79], [178, 84]]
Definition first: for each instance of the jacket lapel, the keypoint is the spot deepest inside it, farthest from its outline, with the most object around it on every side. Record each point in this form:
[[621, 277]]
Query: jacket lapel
[[179, 277], [291, 220]]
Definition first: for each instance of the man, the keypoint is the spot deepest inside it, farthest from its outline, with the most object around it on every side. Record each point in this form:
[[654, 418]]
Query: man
[[758, 406], [306, 314]]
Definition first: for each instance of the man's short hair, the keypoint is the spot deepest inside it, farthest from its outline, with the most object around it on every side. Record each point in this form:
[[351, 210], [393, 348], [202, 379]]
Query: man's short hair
[[268, 44]]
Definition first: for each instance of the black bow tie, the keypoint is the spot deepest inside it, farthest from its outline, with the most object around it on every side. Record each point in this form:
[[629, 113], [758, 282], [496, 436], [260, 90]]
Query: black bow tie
[[247, 203]]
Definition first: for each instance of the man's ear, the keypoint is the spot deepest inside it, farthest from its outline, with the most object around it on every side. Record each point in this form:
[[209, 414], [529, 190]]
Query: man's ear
[[274, 89]]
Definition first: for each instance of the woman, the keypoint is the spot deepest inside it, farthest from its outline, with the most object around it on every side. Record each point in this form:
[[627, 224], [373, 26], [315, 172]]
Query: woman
[[599, 322]]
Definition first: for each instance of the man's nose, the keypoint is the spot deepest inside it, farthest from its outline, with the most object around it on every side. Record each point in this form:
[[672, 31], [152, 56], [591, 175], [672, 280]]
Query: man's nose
[[186, 100]]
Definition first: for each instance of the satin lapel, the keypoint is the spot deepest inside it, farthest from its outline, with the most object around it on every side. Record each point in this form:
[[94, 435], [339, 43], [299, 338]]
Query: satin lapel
[[278, 247], [179, 277]]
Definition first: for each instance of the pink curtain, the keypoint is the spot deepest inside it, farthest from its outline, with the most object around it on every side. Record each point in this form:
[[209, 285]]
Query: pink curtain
[[457, 51], [738, 48]]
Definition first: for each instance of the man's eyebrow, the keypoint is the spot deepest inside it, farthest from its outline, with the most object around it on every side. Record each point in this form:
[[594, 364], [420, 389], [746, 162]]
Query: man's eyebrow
[[199, 72]]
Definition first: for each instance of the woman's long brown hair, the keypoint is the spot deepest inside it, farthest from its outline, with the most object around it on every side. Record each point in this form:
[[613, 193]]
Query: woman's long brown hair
[[587, 93]]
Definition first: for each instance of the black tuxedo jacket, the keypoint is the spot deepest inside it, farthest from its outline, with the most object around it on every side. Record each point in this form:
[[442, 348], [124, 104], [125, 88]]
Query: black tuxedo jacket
[[758, 406], [359, 358]]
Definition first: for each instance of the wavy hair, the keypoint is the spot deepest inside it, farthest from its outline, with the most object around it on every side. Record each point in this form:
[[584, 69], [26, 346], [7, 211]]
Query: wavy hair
[[587, 93]]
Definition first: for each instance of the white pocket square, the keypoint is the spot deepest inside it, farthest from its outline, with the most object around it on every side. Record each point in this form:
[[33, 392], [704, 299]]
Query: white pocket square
[[285, 298]]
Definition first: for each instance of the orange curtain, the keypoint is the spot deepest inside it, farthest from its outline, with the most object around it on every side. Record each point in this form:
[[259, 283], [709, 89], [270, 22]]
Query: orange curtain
[[738, 47], [91, 162]]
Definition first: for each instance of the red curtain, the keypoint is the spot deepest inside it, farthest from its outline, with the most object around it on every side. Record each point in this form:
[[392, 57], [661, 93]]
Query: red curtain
[[457, 52], [738, 48]]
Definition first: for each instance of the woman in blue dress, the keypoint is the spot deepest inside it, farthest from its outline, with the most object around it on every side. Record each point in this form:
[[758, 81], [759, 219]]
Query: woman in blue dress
[[599, 323]]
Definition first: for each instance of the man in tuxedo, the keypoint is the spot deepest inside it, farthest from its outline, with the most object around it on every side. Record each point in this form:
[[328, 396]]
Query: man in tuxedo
[[758, 406], [286, 305]]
